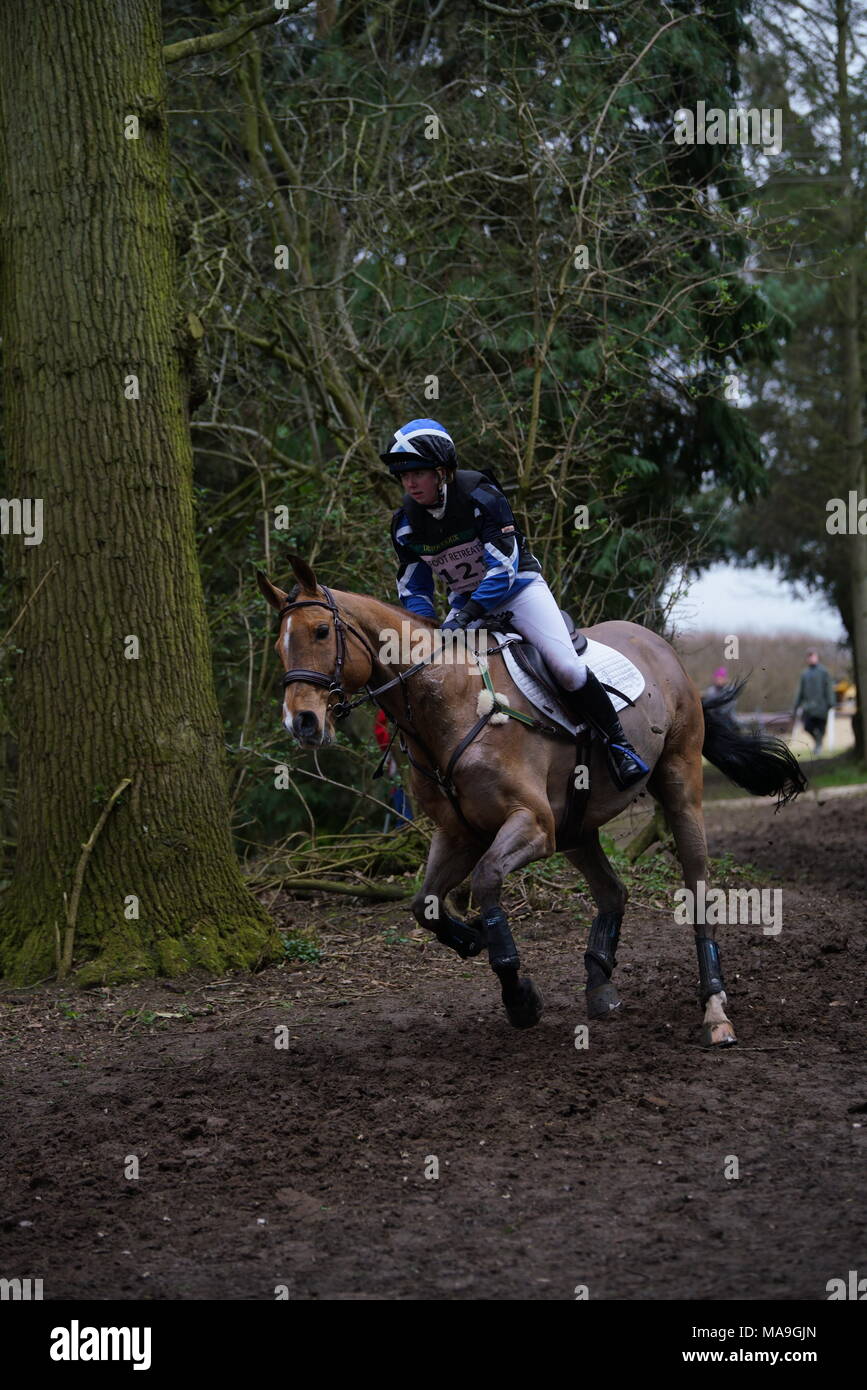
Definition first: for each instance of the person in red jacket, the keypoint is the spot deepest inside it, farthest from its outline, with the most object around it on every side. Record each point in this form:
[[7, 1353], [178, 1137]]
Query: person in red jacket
[[380, 731], [396, 794]]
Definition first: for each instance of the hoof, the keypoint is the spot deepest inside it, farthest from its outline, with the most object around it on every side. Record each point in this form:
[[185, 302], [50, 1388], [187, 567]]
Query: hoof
[[528, 1010], [718, 1035], [603, 1001], [471, 945], [461, 937]]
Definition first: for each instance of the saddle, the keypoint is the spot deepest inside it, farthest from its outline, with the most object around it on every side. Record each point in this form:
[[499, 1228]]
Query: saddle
[[531, 660]]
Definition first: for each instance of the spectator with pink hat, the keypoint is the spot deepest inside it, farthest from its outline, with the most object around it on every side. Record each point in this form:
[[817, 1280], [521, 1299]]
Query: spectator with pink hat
[[716, 689], [720, 681]]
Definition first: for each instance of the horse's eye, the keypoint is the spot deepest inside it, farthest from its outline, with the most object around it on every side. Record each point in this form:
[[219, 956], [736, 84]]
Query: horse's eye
[[322, 631]]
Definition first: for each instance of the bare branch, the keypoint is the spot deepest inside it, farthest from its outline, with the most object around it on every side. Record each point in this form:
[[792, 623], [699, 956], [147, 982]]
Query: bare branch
[[222, 38]]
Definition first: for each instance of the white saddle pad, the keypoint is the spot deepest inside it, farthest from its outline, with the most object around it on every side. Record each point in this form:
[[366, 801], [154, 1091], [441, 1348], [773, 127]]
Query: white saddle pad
[[609, 666]]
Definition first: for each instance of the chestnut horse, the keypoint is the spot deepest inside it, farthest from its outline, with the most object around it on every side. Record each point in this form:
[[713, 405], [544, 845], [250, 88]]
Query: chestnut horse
[[497, 798]]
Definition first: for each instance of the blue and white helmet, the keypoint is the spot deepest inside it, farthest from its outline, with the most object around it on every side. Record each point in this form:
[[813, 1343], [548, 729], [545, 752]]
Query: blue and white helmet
[[420, 444]]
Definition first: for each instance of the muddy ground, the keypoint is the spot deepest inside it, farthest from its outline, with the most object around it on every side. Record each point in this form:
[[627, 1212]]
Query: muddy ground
[[602, 1167]]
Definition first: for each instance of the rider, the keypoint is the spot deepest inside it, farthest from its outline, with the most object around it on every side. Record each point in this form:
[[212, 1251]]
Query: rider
[[457, 524]]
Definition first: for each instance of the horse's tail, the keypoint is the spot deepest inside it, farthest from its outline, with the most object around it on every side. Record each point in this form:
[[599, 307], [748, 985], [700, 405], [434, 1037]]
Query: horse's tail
[[759, 763]]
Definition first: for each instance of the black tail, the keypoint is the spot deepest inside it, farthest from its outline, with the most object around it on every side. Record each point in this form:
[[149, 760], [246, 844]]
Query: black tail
[[759, 763]]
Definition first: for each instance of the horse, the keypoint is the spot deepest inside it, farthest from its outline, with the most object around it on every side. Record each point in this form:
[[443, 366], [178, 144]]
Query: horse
[[499, 789]]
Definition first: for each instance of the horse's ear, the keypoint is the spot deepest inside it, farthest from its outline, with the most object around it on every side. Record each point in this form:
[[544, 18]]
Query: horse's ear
[[303, 573], [275, 596]]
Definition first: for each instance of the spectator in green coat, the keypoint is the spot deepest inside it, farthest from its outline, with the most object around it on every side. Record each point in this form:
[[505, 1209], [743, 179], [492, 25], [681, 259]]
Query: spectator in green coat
[[815, 698]]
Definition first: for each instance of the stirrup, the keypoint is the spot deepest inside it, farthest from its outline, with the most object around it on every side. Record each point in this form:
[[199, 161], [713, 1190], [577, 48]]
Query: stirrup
[[621, 778]]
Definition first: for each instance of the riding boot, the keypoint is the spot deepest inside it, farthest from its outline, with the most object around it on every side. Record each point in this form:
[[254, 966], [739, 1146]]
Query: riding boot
[[591, 703]]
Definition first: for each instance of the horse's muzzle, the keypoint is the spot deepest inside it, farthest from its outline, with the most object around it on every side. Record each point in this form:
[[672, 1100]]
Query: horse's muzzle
[[307, 729]]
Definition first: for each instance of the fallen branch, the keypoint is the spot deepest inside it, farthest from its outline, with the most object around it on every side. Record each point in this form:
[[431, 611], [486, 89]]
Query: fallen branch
[[355, 890], [11, 629], [64, 959], [655, 830]]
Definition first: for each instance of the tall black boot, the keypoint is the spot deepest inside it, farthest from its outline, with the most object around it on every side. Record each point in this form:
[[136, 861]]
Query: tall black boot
[[591, 703]]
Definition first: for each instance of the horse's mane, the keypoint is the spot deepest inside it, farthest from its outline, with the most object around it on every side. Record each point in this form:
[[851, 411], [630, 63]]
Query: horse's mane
[[294, 592]]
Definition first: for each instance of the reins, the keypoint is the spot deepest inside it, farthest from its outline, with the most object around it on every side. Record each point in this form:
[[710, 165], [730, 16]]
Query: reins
[[344, 707]]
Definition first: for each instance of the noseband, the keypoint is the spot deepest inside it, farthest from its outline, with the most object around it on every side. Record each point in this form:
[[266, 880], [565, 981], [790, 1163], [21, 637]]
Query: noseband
[[333, 683]]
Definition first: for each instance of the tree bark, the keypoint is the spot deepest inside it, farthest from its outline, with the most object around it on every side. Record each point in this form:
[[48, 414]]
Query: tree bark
[[88, 298]]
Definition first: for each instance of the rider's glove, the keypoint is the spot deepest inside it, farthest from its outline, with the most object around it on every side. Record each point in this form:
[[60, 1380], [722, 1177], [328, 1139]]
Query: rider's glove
[[464, 616]]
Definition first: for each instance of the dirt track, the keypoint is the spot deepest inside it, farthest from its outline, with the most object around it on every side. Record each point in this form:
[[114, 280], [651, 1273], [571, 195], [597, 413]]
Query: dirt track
[[558, 1167]]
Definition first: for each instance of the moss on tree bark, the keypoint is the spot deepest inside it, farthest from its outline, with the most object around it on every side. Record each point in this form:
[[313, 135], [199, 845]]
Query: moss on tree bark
[[88, 299]]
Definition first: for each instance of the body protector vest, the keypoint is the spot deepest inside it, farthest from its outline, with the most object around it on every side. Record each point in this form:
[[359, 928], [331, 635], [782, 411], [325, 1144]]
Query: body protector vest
[[475, 549]]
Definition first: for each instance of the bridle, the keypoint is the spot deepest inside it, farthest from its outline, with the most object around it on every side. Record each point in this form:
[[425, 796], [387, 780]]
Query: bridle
[[342, 707], [333, 683]]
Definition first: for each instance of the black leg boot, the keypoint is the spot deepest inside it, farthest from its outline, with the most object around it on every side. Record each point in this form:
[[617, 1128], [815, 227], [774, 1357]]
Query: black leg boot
[[591, 703]]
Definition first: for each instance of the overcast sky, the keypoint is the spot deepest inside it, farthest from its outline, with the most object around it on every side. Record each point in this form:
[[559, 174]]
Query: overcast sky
[[754, 600]]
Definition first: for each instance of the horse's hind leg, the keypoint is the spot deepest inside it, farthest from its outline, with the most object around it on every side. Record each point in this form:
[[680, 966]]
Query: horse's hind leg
[[524, 836], [610, 896], [677, 783], [448, 863]]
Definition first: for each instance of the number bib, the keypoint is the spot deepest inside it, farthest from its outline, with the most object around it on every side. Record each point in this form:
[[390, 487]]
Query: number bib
[[461, 567]]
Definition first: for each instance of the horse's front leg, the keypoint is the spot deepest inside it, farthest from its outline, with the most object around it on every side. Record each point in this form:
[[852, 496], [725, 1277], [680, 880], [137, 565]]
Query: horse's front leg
[[448, 863], [524, 836]]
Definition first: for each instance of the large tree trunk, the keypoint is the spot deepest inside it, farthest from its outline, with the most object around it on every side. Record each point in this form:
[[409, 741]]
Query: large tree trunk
[[87, 296]]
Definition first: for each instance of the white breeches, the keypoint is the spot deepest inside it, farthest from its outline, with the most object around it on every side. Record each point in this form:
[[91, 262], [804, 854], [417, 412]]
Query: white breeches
[[536, 616]]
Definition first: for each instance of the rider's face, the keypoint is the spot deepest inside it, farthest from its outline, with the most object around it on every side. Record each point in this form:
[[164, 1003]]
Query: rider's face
[[422, 485]]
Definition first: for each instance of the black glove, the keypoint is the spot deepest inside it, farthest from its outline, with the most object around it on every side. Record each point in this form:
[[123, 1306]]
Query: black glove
[[466, 615]]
